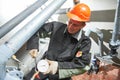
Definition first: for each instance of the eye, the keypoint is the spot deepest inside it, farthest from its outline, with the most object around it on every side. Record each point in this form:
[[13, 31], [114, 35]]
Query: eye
[[70, 22], [76, 25]]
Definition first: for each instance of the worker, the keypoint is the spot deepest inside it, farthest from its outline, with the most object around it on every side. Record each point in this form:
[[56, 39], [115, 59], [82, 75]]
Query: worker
[[68, 50]]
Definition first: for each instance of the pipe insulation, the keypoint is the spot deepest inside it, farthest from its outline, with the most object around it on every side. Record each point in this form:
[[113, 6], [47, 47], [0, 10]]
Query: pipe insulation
[[4, 29], [11, 46]]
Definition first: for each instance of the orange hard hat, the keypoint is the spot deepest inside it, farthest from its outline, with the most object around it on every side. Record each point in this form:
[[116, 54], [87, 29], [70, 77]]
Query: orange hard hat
[[80, 12]]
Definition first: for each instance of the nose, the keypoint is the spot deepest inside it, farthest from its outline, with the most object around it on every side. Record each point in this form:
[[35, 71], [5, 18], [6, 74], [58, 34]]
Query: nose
[[70, 25]]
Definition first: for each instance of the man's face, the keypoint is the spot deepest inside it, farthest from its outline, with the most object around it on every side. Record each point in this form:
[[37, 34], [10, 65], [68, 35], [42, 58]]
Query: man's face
[[74, 26]]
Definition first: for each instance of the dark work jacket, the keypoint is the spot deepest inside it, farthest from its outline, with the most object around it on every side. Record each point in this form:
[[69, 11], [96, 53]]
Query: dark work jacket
[[63, 47]]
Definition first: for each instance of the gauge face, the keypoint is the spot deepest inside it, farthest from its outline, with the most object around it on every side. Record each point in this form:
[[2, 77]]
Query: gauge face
[[42, 65]]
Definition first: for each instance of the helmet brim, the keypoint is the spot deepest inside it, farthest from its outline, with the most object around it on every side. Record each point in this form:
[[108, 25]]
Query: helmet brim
[[74, 17]]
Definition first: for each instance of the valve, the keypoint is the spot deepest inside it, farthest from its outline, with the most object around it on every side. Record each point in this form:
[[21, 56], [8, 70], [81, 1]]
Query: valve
[[94, 67]]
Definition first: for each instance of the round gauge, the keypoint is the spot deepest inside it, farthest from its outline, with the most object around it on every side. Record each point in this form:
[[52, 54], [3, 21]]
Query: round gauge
[[42, 66]]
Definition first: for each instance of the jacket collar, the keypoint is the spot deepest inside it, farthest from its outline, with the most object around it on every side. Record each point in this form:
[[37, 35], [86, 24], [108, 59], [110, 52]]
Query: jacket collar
[[76, 36]]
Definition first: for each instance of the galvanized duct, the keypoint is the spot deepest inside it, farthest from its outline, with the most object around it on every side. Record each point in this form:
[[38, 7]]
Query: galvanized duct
[[11, 46], [20, 17]]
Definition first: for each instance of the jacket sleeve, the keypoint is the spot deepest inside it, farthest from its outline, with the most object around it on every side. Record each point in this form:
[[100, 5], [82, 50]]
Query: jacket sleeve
[[33, 42], [45, 30], [79, 64]]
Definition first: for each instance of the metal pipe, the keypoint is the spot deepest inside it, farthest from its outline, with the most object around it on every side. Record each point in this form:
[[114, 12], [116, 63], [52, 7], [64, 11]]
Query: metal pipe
[[100, 42], [116, 29], [62, 11], [11, 46], [20, 17], [100, 38], [65, 10], [115, 43]]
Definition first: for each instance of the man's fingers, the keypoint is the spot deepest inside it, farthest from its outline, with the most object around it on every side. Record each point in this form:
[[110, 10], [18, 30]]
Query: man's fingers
[[49, 61], [48, 71], [33, 53]]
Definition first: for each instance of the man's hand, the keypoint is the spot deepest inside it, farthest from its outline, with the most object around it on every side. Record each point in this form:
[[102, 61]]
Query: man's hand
[[53, 67], [33, 53]]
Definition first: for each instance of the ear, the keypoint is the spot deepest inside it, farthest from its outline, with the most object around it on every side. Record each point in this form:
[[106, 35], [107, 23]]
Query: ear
[[84, 24]]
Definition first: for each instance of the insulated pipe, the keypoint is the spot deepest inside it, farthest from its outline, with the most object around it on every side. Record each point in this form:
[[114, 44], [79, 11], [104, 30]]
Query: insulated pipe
[[20, 17], [11, 46]]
